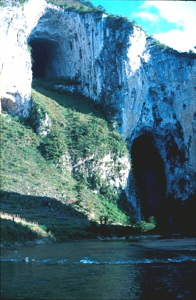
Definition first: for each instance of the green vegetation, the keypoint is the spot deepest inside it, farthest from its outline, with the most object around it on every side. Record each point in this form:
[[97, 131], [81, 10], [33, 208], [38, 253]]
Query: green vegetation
[[147, 226], [14, 228], [13, 232], [14, 2], [158, 44], [22, 1], [81, 6], [170, 50], [78, 127], [51, 199], [121, 22]]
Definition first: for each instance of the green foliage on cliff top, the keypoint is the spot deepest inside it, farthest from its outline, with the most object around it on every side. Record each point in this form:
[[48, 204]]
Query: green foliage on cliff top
[[81, 6]]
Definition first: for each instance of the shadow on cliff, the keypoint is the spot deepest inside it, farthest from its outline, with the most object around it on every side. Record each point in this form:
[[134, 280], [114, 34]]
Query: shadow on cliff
[[74, 101]]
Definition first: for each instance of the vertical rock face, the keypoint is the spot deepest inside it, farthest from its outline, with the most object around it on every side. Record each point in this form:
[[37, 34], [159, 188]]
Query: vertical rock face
[[15, 55], [165, 83], [15, 62], [150, 91]]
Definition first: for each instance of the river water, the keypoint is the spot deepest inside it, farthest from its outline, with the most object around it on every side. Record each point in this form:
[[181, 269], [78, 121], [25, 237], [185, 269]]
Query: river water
[[98, 270]]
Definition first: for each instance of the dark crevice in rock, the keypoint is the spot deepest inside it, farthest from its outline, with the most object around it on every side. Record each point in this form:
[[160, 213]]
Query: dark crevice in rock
[[44, 53], [149, 174]]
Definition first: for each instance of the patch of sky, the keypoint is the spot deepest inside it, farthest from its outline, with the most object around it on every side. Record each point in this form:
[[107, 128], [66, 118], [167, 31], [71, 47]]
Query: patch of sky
[[156, 26], [118, 7], [149, 19]]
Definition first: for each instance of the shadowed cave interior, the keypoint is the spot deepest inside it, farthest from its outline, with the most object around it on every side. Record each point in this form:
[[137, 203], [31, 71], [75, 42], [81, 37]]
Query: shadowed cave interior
[[44, 57], [149, 175]]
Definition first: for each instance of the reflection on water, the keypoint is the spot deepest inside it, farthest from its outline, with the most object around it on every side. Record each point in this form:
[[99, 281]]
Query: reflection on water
[[97, 270]]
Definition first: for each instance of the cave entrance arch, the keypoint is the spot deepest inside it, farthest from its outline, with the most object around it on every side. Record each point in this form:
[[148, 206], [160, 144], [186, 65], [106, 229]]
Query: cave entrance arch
[[44, 57], [149, 175]]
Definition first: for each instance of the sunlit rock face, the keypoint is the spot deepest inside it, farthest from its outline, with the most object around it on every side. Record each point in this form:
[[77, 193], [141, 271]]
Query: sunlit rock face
[[15, 62], [15, 56], [150, 91]]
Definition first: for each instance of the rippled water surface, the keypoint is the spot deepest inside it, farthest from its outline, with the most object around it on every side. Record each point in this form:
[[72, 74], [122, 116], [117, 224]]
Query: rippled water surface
[[97, 270]]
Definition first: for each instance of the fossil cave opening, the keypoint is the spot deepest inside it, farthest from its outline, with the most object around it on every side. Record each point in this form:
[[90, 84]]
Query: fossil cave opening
[[44, 56], [149, 175]]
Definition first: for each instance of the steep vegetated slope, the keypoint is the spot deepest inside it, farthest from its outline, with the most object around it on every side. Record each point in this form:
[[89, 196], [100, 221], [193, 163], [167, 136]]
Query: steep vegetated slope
[[63, 170]]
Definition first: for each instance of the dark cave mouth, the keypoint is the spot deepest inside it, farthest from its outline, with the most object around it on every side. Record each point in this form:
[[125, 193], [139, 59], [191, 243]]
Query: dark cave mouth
[[44, 54], [149, 175]]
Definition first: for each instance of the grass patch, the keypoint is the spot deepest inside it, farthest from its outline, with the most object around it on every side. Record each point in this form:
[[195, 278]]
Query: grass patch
[[15, 228], [86, 131], [16, 232], [22, 165], [39, 181]]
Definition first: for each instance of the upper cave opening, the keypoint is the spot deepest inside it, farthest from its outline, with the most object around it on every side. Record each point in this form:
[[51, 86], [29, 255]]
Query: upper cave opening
[[44, 57], [149, 175]]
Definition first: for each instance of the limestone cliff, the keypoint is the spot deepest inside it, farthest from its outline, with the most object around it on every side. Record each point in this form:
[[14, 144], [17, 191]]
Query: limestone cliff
[[16, 24], [150, 90]]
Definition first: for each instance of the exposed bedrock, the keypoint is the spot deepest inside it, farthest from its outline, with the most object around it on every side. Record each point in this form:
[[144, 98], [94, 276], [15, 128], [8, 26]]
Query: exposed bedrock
[[150, 91]]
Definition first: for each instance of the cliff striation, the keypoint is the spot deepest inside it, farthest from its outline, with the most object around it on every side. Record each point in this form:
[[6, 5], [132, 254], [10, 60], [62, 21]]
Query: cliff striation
[[150, 90]]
